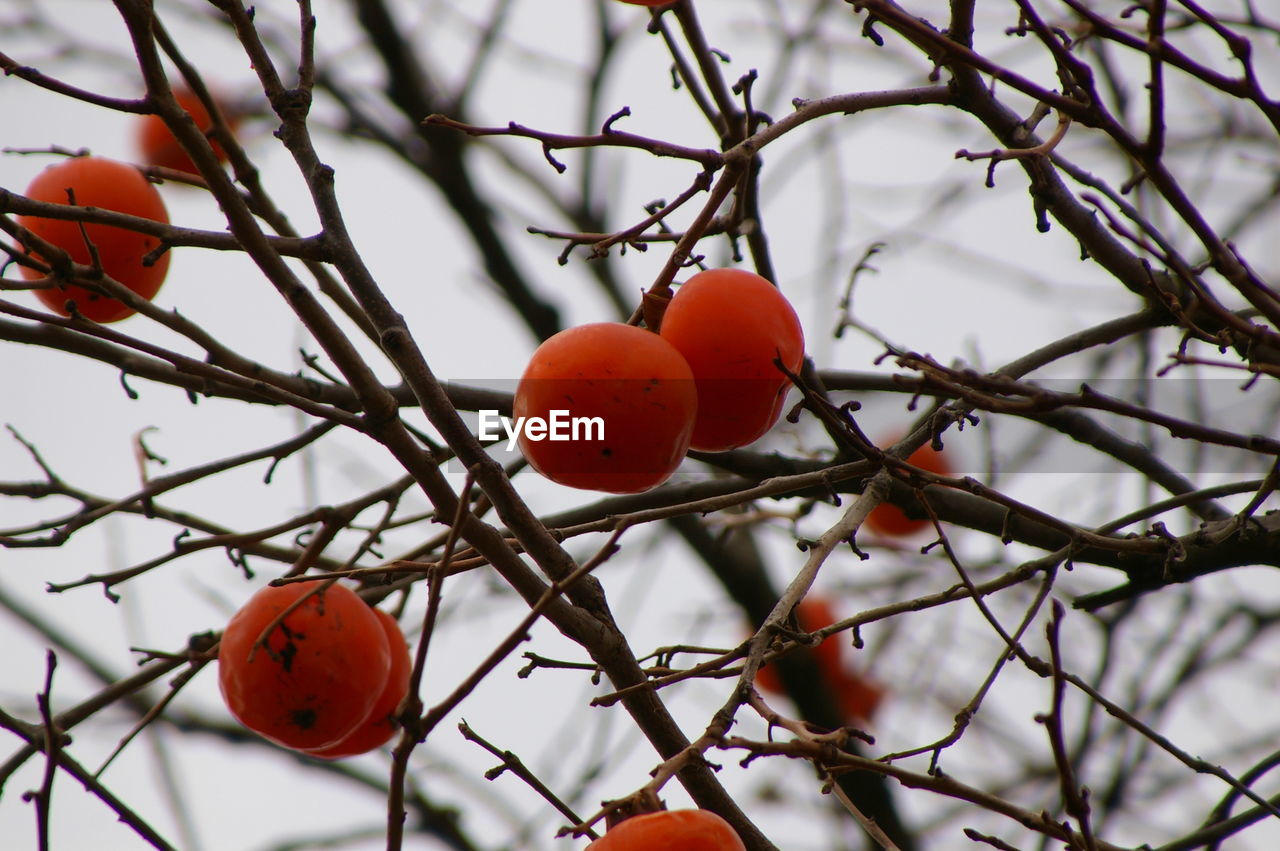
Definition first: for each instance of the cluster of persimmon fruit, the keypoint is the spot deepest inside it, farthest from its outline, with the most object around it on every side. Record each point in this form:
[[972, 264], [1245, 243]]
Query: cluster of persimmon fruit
[[311, 666], [133, 258], [711, 377], [314, 668]]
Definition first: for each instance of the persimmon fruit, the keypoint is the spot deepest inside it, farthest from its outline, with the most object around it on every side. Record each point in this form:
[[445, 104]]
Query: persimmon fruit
[[890, 520], [158, 146], [812, 613], [671, 830], [318, 672], [380, 725], [856, 694], [630, 396], [109, 185], [731, 325]]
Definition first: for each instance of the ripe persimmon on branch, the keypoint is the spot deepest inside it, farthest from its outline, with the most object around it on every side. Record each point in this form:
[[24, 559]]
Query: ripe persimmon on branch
[[1051, 280]]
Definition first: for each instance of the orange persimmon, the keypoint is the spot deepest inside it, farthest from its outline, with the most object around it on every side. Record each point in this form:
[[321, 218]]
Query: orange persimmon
[[157, 144], [671, 830], [812, 613], [315, 675], [378, 728], [121, 254], [890, 520], [731, 325], [857, 695], [605, 406]]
